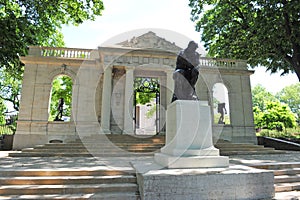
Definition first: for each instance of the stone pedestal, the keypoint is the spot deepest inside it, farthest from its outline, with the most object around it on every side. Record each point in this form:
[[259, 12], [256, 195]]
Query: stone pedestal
[[189, 138]]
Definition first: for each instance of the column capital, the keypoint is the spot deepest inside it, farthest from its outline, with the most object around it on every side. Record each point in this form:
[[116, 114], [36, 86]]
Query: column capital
[[107, 67], [129, 68], [169, 71]]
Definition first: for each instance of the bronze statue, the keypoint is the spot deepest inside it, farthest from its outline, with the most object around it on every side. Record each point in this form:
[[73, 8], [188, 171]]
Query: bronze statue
[[186, 73], [60, 109], [222, 110]]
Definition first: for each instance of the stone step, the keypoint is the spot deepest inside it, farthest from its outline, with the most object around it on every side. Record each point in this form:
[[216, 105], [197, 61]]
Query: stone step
[[91, 196], [287, 178], [68, 184], [66, 189], [68, 148], [105, 151], [112, 142], [64, 172], [248, 152], [237, 145], [126, 137], [286, 175], [66, 180], [279, 166], [292, 171], [285, 187], [99, 140], [80, 154], [80, 145], [245, 149]]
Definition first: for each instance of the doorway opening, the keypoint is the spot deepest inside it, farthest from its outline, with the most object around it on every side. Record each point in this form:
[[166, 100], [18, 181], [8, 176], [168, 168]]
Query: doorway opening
[[60, 104], [221, 104], [146, 105]]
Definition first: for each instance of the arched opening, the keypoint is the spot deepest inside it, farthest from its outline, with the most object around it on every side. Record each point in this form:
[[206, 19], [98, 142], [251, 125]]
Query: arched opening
[[146, 104], [60, 104], [221, 104]]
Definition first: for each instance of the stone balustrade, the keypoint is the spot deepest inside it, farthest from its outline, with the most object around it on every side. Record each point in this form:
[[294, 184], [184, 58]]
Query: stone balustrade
[[125, 58], [222, 63], [60, 52]]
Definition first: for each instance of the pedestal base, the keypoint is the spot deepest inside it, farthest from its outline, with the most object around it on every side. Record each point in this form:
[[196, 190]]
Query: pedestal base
[[234, 182], [189, 138], [191, 161]]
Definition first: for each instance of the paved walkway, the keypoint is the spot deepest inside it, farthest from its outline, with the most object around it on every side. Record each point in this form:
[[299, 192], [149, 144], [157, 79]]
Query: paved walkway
[[115, 163]]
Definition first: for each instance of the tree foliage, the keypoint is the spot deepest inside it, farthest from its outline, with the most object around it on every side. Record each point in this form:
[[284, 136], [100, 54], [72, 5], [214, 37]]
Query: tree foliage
[[261, 32], [61, 88], [34, 22], [276, 116], [291, 96], [144, 98], [2, 110], [260, 97], [10, 87], [146, 89]]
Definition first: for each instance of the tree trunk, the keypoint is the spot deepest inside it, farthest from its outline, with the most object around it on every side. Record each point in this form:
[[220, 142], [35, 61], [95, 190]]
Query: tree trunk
[[297, 70]]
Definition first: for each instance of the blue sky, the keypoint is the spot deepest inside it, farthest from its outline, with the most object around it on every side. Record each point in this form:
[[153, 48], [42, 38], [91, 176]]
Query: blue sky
[[124, 16]]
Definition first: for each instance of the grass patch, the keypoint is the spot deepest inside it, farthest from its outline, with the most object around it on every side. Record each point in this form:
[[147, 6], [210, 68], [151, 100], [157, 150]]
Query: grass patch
[[291, 133]]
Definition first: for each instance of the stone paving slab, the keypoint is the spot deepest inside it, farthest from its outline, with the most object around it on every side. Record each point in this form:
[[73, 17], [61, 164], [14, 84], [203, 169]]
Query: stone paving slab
[[294, 195]]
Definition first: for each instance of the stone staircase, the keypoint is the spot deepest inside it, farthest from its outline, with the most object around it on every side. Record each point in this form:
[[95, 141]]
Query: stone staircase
[[229, 149], [65, 183], [68, 184], [98, 146], [126, 145], [286, 175]]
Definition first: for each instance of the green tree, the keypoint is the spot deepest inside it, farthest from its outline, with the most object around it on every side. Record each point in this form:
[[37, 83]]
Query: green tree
[[262, 32], [258, 114], [276, 116], [145, 89], [10, 87], [35, 22], [144, 98], [290, 96], [260, 97], [61, 88], [2, 110]]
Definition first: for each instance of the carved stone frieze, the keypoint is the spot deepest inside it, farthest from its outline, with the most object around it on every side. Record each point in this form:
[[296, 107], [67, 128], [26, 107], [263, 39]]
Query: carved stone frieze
[[150, 41]]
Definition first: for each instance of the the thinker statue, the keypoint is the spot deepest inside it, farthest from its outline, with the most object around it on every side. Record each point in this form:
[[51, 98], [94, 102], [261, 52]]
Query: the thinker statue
[[186, 73], [60, 109]]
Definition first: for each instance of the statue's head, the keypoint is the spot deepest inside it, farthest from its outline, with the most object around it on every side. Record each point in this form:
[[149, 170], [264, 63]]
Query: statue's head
[[192, 45]]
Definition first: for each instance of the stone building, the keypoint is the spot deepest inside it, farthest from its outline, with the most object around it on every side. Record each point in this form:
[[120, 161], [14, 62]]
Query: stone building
[[106, 81]]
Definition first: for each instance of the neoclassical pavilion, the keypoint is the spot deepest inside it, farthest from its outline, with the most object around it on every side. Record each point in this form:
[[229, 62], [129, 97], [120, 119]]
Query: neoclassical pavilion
[[105, 81]]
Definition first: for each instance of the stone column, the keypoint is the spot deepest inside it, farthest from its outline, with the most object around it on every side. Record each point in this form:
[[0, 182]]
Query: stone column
[[164, 101], [170, 85], [106, 100], [128, 102]]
